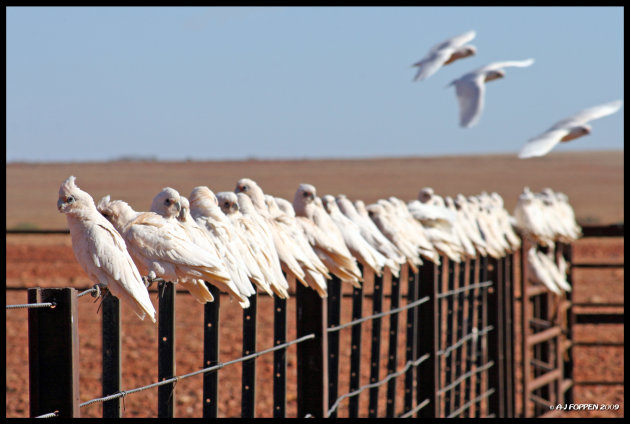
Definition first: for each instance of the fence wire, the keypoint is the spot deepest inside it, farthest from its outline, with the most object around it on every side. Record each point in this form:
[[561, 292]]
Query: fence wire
[[404, 369]]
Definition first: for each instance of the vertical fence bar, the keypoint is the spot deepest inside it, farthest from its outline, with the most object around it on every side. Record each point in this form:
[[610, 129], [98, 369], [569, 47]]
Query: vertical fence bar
[[428, 342], [355, 353], [481, 348], [568, 364], [393, 344], [495, 337], [526, 314], [412, 332], [334, 317], [375, 357], [449, 339], [312, 358], [166, 348], [279, 358], [248, 378], [111, 366], [459, 333], [472, 326], [211, 353], [508, 280], [53, 345]]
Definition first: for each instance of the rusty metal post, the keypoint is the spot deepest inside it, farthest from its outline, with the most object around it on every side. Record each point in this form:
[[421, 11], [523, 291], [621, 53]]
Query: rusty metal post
[[53, 345]]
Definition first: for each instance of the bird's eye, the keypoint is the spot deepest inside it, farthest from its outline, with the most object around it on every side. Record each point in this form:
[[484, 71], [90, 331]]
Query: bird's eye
[[70, 199], [305, 194], [226, 204], [244, 188], [167, 202]]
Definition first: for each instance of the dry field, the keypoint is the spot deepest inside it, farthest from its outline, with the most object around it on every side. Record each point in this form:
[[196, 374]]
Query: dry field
[[593, 181]]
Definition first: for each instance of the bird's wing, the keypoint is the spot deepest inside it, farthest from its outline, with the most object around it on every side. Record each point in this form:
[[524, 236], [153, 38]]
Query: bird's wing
[[507, 63], [590, 114], [457, 41], [431, 63], [542, 144], [470, 96]]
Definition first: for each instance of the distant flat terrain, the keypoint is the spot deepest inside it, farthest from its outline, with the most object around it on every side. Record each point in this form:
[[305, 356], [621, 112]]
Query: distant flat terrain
[[592, 180]]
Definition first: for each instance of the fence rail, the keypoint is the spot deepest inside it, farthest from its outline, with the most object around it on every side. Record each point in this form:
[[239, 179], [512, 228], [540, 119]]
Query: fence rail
[[458, 344]]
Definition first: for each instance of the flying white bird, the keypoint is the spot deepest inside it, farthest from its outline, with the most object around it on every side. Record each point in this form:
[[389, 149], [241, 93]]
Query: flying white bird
[[568, 129], [445, 53], [470, 89], [101, 250]]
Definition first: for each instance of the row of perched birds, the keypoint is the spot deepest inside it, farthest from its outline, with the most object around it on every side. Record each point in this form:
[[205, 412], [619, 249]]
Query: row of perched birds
[[470, 91], [546, 218], [246, 240]]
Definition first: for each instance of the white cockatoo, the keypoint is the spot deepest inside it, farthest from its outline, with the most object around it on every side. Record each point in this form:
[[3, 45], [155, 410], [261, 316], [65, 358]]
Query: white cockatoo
[[566, 130], [247, 230], [445, 53], [161, 248], [101, 250], [359, 248], [539, 272], [370, 231], [205, 210], [470, 89], [324, 235]]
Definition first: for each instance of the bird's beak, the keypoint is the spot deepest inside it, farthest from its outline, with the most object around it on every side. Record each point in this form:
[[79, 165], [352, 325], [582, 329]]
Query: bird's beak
[[59, 204], [178, 206]]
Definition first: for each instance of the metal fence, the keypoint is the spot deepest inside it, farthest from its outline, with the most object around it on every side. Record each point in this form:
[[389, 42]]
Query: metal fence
[[441, 343]]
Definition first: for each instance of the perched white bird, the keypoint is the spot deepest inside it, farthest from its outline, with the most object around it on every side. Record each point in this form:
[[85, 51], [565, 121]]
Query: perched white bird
[[101, 250], [444, 53], [568, 129], [205, 210], [162, 248], [167, 203], [539, 272], [370, 231], [552, 268], [324, 236], [281, 239], [367, 255], [530, 219], [246, 229], [470, 89]]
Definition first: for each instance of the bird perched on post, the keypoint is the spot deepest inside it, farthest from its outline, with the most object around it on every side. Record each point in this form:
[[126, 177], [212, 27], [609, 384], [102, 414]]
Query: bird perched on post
[[101, 250], [161, 248], [446, 52]]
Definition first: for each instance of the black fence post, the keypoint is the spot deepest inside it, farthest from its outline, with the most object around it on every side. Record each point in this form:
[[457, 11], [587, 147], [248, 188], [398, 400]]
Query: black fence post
[[112, 367], [53, 343], [279, 358], [355, 354], [211, 353], [428, 342], [334, 317], [248, 377], [412, 335], [312, 354], [375, 354], [392, 358], [166, 348], [496, 380]]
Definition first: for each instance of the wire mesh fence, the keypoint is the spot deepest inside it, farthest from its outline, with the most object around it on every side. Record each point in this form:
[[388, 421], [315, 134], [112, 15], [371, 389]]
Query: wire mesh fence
[[438, 342]]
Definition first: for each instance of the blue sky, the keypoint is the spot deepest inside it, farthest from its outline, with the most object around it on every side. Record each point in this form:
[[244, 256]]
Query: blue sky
[[94, 84]]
